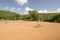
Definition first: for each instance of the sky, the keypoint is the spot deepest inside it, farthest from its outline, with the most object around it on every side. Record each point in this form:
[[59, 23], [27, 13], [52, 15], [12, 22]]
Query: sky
[[22, 6]]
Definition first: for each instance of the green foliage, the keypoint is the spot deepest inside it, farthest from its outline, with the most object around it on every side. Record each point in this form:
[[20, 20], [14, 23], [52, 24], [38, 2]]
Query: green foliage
[[46, 17], [7, 15], [51, 17], [56, 18], [34, 15], [31, 16]]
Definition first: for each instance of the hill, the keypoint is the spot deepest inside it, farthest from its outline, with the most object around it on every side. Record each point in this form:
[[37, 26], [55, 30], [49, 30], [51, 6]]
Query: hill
[[7, 15], [45, 17]]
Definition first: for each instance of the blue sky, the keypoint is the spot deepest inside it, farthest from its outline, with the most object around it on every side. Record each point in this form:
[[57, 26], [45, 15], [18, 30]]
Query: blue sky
[[22, 6]]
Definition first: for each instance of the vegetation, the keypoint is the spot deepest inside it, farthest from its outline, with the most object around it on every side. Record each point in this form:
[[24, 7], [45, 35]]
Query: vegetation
[[7, 15], [31, 16], [46, 17]]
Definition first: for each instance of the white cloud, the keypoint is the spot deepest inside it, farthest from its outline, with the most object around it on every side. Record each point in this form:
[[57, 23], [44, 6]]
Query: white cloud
[[12, 9], [9, 9], [42, 11], [45, 11], [58, 10], [27, 9], [21, 2], [25, 12], [19, 9], [6, 8], [39, 11]]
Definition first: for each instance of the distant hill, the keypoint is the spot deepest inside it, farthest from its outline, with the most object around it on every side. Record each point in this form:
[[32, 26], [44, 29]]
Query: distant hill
[[7, 15], [50, 17], [46, 17]]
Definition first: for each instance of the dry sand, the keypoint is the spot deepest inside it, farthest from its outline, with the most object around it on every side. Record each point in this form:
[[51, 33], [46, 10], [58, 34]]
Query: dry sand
[[24, 30]]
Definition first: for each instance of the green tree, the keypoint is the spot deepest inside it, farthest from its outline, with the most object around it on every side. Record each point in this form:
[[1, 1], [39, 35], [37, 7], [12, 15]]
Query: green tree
[[56, 18], [35, 17]]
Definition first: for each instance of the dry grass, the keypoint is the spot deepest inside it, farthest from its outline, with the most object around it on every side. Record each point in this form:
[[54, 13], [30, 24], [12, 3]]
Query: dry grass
[[24, 30]]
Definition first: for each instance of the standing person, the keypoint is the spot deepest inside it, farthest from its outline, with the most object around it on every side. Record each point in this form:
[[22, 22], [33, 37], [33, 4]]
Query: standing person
[[38, 20]]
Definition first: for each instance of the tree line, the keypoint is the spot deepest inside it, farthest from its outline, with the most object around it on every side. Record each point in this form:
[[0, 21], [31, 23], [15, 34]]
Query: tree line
[[31, 16]]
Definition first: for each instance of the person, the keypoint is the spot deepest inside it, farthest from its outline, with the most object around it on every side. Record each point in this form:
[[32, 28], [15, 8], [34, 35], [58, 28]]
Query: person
[[38, 22]]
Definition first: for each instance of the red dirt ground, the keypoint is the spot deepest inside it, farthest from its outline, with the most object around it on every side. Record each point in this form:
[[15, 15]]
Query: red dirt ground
[[25, 30]]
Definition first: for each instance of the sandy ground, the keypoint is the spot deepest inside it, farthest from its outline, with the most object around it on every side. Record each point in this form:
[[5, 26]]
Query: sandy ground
[[25, 30]]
